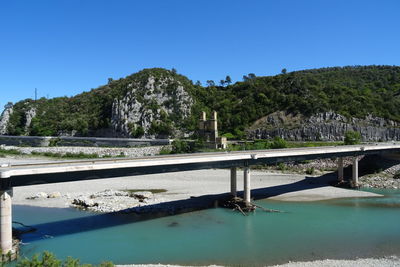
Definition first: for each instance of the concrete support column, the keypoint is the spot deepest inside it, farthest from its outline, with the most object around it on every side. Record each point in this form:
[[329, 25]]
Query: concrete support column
[[5, 222], [233, 182], [340, 170], [355, 172], [247, 188]]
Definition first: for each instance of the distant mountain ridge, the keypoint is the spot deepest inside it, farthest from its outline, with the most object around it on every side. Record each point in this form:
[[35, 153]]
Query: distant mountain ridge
[[159, 103]]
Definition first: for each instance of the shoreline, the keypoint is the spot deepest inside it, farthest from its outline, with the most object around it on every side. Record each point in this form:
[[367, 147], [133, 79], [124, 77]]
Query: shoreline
[[390, 261]]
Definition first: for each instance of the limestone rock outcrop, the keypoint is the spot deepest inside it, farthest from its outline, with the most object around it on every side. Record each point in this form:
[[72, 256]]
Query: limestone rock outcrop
[[155, 100], [29, 115], [5, 117], [327, 126]]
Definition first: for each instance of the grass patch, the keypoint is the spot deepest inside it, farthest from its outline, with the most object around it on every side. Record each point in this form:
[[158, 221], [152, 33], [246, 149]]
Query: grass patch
[[68, 155], [292, 144], [154, 191], [10, 152]]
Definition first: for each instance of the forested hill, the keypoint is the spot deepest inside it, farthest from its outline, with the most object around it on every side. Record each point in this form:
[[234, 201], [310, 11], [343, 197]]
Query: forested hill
[[349, 91], [159, 102]]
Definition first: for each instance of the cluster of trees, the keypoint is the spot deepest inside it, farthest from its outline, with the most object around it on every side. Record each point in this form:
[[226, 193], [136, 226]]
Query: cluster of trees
[[351, 91]]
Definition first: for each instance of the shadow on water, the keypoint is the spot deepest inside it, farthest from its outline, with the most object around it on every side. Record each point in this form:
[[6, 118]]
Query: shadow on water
[[149, 212]]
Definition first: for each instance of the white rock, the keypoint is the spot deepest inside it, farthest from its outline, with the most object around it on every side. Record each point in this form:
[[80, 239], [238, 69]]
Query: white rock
[[41, 195], [54, 195]]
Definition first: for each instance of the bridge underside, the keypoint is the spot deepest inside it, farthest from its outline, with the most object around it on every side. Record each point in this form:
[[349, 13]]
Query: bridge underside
[[59, 177]]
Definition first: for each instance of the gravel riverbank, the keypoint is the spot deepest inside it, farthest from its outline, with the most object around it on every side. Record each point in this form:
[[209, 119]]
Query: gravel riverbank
[[107, 195], [371, 262], [100, 151]]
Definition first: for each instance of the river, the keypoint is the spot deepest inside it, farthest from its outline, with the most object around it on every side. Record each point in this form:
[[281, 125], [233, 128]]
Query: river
[[335, 229]]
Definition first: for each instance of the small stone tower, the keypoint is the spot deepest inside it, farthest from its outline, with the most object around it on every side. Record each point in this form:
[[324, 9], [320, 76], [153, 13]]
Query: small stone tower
[[208, 129]]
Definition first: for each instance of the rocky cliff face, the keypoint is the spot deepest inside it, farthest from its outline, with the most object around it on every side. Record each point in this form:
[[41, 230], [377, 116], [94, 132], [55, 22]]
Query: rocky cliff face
[[5, 117], [151, 108], [29, 115], [327, 126]]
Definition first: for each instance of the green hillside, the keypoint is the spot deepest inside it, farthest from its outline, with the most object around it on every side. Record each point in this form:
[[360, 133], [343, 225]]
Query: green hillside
[[351, 91]]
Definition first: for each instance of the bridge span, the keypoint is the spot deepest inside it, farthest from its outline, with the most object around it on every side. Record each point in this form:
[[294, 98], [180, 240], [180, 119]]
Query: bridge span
[[65, 171]]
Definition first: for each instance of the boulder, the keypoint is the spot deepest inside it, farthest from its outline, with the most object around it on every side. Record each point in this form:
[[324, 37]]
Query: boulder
[[54, 195]]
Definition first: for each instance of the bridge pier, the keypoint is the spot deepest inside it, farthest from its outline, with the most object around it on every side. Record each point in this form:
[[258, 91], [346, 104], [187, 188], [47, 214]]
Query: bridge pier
[[355, 172], [340, 170], [5, 223], [233, 182], [247, 188]]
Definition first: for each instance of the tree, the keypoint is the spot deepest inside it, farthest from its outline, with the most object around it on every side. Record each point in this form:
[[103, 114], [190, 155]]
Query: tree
[[228, 80], [173, 70], [198, 83], [283, 71], [251, 76], [110, 80], [210, 83], [222, 82]]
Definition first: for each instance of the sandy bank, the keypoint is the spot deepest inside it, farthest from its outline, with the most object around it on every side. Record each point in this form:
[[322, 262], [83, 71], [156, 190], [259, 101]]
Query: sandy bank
[[183, 185]]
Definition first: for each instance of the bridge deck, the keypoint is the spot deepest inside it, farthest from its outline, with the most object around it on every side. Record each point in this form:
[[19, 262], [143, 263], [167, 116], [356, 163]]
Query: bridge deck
[[62, 171]]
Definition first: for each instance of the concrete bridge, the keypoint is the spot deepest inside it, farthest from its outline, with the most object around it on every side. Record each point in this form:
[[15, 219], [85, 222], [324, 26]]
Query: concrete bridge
[[64, 171]]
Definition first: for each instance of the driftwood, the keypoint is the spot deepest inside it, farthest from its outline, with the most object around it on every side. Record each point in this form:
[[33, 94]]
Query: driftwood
[[238, 204], [267, 210], [240, 209]]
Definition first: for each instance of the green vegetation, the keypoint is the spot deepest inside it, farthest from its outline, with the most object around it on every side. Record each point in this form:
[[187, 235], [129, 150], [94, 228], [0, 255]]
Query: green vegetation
[[312, 144], [11, 152], [352, 138], [184, 146], [275, 143], [48, 259], [353, 91], [310, 170], [68, 155], [281, 166]]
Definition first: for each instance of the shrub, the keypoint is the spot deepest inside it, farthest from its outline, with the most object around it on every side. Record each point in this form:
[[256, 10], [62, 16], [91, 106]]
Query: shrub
[[310, 170], [54, 141], [229, 136], [48, 259], [278, 142], [165, 150], [352, 138], [136, 131], [181, 146], [282, 166], [396, 175]]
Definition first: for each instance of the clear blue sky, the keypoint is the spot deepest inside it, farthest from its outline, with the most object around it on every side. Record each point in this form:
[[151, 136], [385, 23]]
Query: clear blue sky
[[64, 47]]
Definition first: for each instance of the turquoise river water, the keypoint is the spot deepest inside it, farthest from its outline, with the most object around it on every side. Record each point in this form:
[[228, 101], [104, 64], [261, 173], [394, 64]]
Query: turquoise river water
[[335, 229]]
